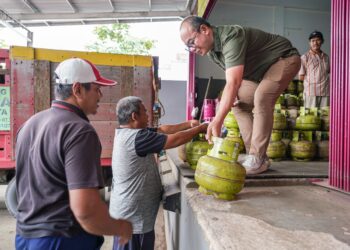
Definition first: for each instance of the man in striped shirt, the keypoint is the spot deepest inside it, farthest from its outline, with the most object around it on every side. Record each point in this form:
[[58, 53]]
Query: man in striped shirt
[[314, 72]]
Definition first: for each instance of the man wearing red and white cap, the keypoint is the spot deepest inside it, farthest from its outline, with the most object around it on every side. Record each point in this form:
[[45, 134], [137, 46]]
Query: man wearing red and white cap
[[58, 170]]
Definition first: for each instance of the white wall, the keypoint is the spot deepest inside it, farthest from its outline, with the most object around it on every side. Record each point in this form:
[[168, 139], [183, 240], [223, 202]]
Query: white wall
[[293, 19], [173, 97]]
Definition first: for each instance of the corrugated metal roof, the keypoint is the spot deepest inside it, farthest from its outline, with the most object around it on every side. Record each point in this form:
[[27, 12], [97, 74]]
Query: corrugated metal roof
[[70, 12]]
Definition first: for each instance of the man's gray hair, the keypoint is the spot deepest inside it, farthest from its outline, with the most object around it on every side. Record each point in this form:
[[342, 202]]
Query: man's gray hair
[[126, 106], [64, 91]]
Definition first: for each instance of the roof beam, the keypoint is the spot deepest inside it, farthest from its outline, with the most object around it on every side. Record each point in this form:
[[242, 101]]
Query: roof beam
[[112, 5], [74, 9], [4, 16], [31, 6], [190, 5], [105, 15], [101, 21]]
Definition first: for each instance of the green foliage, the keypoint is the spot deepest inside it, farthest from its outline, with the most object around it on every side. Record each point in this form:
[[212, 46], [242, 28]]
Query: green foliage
[[116, 39]]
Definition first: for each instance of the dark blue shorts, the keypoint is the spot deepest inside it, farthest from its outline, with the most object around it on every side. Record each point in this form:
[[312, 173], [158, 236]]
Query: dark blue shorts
[[138, 242], [82, 241]]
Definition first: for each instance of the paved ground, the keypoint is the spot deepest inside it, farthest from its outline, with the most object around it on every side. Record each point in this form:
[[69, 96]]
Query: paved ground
[[8, 225]]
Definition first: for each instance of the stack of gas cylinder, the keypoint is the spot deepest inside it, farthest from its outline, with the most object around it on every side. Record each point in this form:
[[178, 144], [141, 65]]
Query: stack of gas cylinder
[[277, 148], [305, 134], [298, 133]]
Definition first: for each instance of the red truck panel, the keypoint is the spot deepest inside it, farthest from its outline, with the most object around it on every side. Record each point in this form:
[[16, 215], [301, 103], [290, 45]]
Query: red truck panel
[[32, 91]]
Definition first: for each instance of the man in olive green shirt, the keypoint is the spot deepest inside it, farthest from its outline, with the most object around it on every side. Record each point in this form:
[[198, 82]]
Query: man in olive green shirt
[[258, 67]]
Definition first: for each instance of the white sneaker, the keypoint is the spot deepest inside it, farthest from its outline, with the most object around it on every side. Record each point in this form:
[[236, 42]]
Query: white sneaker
[[255, 165], [242, 158]]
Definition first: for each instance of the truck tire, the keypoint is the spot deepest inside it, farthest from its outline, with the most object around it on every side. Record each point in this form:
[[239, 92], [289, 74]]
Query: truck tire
[[11, 197]]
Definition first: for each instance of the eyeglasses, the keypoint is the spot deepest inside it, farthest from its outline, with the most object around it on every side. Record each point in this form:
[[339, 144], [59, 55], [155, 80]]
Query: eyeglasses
[[190, 43]]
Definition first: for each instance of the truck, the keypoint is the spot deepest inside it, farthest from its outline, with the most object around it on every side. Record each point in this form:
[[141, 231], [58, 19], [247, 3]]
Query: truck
[[26, 87]]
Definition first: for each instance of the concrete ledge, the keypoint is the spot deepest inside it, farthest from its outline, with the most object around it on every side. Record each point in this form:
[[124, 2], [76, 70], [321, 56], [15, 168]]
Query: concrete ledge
[[297, 217]]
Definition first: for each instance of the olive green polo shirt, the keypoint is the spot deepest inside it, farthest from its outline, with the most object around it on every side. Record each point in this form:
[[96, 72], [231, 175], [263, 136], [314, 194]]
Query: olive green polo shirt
[[255, 49]]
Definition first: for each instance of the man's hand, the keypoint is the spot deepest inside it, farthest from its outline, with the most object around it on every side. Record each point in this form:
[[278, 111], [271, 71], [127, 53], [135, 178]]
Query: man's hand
[[193, 123], [214, 129], [204, 127], [181, 137], [125, 233], [233, 77]]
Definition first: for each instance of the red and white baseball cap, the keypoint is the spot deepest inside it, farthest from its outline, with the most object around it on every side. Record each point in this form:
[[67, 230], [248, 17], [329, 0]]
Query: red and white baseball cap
[[80, 70]]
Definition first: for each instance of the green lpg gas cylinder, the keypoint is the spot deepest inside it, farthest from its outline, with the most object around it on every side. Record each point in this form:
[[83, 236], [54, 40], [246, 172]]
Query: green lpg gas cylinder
[[218, 173], [276, 135], [281, 100], [235, 136], [291, 100], [196, 149], [276, 150], [230, 121], [302, 149], [279, 120], [308, 120]]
